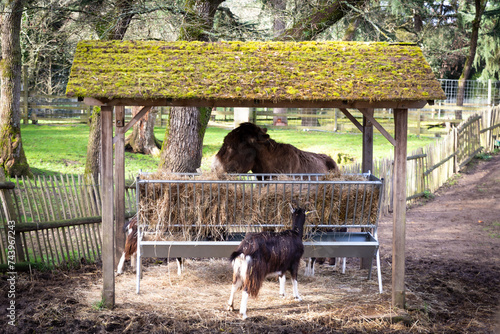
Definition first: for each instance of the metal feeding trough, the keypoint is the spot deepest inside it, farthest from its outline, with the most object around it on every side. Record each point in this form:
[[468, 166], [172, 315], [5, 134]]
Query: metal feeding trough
[[188, 215]]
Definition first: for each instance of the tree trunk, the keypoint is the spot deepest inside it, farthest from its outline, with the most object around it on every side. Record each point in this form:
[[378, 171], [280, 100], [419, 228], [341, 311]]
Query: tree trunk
[[107, 30], [350, 32], [93, 162], [182, 147], [476, 24], [279, 25], [142, 139], [318, 21], [12, 157]]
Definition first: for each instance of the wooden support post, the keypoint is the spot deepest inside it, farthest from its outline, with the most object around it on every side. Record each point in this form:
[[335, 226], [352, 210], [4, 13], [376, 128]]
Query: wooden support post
[[120, 181], [367, 163], [108, 263], [399, 215]]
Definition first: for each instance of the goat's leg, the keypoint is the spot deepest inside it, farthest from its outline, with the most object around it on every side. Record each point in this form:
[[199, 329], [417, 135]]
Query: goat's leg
[[121, 264], [310, 266], [239, 273], [243, 305], [180, 265], [234, 288], [296, 289], [133, 262], [282, 279], [294, 271]]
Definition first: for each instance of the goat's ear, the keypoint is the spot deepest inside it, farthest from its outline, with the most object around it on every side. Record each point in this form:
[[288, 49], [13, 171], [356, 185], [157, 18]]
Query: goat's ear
[[308, 212]]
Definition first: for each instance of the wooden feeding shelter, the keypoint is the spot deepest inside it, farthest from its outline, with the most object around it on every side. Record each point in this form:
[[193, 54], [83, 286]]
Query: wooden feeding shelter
[[342, 75]]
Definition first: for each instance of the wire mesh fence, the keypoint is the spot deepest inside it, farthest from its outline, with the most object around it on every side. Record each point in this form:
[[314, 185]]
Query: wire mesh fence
[[476, 92]]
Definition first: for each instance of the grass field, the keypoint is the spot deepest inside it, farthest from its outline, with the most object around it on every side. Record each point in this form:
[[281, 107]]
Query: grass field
[[54, 149]]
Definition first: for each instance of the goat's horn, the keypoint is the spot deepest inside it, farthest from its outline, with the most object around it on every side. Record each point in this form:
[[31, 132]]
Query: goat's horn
[[291, 206]]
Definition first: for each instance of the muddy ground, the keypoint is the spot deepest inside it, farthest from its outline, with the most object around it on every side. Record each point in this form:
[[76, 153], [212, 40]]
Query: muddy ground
[[452, 283]]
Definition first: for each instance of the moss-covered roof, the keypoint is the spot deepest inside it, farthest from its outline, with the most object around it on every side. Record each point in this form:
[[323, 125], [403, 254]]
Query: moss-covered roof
[[251, 71]]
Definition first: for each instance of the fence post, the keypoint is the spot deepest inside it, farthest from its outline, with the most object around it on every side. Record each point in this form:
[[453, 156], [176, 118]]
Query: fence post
[[10, 216], [490, 100], [487, 124], [455, 149]]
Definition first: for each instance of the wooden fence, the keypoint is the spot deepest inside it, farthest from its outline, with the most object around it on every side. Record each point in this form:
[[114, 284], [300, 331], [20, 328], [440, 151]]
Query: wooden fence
[[435, 120], [62, 109], [52, 220], [430, 167]]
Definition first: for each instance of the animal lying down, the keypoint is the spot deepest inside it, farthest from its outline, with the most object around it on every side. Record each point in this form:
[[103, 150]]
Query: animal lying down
[[260, 254], [250, 148]]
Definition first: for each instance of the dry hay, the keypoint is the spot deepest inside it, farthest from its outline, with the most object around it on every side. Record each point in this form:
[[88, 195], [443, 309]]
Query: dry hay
[[209, 211], [331, 300]]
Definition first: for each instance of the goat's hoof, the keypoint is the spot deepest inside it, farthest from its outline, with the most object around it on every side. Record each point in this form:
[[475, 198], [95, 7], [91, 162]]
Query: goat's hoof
[[282, 295], [298, 299], [230, 308], [244, 316]]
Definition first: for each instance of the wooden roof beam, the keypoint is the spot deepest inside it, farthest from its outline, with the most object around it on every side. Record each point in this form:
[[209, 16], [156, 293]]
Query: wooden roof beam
[[255, 103]]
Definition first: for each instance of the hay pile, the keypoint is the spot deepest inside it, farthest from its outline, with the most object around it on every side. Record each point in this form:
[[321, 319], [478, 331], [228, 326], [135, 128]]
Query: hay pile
[[184, 210]]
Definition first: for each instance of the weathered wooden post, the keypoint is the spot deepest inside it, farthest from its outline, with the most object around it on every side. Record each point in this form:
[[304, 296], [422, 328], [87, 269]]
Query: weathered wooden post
[[108, 258], [399, 215], [367, 163], [120, 181]]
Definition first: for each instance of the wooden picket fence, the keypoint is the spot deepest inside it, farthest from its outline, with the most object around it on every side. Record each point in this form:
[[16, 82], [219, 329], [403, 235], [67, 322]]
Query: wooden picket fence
[[54, 220], [430, 167]]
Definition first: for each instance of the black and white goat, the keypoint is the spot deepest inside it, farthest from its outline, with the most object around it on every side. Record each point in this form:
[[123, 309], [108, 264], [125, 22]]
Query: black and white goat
[[260, 254], [131, 249]]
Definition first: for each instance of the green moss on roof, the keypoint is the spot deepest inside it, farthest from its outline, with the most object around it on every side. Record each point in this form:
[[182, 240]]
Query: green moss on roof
[[275, 71]]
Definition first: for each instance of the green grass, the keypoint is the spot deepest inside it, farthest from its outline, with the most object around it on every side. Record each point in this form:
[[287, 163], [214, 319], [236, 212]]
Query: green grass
[[54, 149]]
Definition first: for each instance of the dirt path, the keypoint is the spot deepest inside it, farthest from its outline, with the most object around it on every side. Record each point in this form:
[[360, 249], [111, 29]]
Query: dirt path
[[453, 249], [452, 282], [460, 223]]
